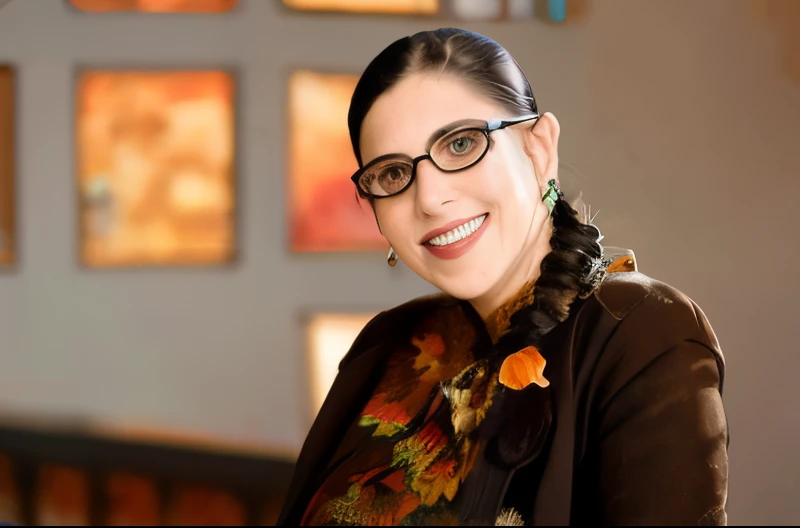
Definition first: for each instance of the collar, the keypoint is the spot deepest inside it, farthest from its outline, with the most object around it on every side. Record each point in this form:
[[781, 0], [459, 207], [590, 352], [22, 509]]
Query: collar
[[499, 321]]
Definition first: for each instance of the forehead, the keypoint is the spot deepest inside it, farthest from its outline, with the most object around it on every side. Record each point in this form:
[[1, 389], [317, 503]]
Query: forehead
[[403, 118]]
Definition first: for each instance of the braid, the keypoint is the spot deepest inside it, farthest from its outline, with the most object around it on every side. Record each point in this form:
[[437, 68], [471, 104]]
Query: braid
[[573, 268]]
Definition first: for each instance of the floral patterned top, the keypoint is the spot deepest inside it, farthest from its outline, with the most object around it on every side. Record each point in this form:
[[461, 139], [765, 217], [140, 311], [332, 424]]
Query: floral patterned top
[[414, 444]]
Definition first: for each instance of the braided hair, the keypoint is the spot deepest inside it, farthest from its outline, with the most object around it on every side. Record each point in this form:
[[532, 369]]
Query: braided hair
[[572, 269]]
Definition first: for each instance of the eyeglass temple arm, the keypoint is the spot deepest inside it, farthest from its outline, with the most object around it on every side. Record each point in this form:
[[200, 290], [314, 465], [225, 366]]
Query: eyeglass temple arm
[[496, 124]]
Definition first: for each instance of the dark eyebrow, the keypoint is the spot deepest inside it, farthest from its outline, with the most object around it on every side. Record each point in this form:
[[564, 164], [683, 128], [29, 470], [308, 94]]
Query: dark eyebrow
[[449, 128]]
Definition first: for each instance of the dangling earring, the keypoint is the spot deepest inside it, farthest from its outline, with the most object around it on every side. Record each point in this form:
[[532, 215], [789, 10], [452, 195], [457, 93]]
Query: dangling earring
[[552, 195], [392, 258]]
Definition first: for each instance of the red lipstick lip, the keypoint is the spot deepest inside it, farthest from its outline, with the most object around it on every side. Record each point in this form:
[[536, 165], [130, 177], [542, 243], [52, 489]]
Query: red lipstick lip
[[449, 227]]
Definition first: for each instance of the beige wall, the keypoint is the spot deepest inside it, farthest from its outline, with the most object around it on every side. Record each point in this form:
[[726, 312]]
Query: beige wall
[[680, 116]]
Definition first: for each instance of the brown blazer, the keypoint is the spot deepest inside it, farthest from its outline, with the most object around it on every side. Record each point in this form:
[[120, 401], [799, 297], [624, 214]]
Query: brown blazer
[[636, 432]]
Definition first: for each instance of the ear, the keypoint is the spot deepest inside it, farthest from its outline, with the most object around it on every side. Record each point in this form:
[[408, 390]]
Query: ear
[[541, 146]]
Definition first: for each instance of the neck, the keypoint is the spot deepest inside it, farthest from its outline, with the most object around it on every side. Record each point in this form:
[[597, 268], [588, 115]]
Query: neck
[[526, 270]]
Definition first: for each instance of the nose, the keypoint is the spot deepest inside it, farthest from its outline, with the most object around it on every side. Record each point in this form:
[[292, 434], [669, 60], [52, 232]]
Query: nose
[[433, 189]]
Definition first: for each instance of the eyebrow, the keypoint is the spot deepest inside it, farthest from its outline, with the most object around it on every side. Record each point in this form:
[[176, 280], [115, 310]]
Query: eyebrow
[[449, 128]]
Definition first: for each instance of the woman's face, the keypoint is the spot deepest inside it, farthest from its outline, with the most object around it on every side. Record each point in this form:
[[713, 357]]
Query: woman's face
[[502, 191]]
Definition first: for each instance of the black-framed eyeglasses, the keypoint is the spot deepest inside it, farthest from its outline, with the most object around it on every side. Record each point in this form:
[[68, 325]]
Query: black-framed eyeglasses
[[456, 150]]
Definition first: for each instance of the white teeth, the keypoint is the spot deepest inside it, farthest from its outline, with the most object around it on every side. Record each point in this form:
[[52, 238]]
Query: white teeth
[[459, 233]]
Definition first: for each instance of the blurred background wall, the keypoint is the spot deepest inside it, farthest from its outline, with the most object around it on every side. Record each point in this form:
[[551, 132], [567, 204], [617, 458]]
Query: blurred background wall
[[680, 119]]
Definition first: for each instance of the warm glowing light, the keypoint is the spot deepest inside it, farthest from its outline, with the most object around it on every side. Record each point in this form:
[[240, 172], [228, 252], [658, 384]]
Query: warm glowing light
[[330, 337], [155, 168], [397, 7]]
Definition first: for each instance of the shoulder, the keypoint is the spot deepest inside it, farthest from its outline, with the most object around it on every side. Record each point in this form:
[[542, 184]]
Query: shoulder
[[397, 322], [622, 293], [649, 319], [654, 309]]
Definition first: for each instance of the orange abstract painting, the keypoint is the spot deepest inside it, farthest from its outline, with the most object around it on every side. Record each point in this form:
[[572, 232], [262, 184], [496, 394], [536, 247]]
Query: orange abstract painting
[[155, 157], [7, 195], [396, 7], [325, 213], [156, 6]]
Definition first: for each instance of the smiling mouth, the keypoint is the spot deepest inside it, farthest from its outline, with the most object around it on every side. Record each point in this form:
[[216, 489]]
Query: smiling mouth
[[461, 232]]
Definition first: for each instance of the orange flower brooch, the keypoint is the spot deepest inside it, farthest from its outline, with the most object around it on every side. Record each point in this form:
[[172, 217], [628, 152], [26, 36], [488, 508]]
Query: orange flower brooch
[[522, 368]]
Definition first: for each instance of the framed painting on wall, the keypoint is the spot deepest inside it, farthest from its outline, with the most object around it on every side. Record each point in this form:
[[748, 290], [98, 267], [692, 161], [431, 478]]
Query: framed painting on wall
[[394, 7], [325, 212], [155, 168], [7, 171], [155, 6]]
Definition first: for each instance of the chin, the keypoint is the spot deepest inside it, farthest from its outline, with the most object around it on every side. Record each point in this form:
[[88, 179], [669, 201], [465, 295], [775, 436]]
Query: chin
[[466, 288]]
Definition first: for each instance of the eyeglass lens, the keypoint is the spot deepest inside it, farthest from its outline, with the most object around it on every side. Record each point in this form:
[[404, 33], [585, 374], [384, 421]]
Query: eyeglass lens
[[454, 151]]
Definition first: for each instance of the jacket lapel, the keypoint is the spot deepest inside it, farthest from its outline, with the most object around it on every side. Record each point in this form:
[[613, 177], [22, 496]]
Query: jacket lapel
[[553, 498]]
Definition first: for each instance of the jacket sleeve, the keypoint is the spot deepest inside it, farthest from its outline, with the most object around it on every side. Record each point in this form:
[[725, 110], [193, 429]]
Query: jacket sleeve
[[662, 444], [660, 435]]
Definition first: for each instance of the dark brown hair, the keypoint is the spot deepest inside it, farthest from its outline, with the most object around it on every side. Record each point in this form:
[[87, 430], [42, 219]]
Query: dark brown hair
[[476, 59]]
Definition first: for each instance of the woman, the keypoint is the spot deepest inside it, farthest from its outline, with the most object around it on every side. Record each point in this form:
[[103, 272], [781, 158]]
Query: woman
[[540, 387]]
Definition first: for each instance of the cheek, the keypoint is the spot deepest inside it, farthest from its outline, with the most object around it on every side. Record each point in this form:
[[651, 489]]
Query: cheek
[[510, 185], [520, 173], [394, 220]]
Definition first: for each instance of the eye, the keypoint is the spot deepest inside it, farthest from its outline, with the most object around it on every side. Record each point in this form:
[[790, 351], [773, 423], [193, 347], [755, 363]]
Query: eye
[[393, 178], [459, 148], [460, 145], [392, 174]]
